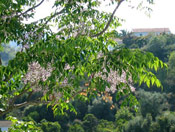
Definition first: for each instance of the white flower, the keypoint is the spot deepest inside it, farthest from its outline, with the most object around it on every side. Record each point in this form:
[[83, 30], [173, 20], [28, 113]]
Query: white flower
[[114, 79], [36, 73]]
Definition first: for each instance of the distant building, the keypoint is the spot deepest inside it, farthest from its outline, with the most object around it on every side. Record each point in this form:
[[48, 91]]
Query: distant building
[[146, 31], [4, 125]]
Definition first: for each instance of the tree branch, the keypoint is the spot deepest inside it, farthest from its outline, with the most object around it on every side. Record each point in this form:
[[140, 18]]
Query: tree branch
[[56, 13], [17, 106], [110, 20], [51, 17], [14, 99], [30, 9]]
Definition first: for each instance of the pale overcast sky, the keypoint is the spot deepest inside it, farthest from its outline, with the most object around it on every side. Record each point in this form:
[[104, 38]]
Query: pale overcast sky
[[163, 15]]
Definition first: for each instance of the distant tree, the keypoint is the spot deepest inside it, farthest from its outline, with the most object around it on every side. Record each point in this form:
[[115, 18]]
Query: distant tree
[[76, 128], [164, 123], [135, 125], [81, 108], [152, 102], [51, 127], [105, 126], [157, 45], [90, 123], [102, 108], [171, 70], [35, 116], [141, 41], [122, 117], [128, 39], [139, 124], [123, 33], [170, 39]]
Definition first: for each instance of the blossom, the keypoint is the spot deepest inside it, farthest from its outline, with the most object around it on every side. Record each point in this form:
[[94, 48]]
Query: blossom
[[68, 67], [36, 73], [115, 79]]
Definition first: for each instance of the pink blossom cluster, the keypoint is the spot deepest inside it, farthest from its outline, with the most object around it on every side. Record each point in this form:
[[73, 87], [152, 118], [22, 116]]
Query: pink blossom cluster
[[114, 79], [36, 73], [68, 67], [64, 83]]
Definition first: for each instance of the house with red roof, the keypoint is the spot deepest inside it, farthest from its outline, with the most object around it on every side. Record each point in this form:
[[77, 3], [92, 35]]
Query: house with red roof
[[145, 31]]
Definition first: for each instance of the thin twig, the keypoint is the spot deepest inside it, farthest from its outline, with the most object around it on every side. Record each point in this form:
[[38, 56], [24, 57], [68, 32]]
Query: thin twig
[[51, 17], [30, 9], [109, 22], [57, 13]]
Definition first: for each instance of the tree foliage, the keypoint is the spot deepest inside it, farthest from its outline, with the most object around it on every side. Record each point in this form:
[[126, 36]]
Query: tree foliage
[[22, 126], [138, 124], [76, 128], [105, 126], [102, 109], [154, 103], [171, 69], [90, 123], [123, 116], [56, 63], [51, 127]]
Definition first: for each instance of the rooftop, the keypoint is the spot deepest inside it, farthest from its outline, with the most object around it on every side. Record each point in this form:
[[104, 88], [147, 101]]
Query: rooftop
[[151, 30]]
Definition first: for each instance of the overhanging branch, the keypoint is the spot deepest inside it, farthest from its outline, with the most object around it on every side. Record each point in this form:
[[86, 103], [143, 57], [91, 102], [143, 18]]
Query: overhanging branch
[[17, 106], [30, 9], [110, 20], [56, 13]]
